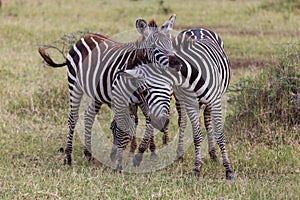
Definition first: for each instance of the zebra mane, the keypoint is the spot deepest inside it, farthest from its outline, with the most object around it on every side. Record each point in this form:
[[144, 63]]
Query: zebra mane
[[137, 58], [152, 23]]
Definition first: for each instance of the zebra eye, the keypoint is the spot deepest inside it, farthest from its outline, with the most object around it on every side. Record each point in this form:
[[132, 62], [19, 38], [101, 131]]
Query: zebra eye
[[144, 93]]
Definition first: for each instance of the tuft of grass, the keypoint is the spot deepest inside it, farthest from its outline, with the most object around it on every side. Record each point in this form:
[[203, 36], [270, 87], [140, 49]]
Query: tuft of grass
[[269, 102], [290, 6]]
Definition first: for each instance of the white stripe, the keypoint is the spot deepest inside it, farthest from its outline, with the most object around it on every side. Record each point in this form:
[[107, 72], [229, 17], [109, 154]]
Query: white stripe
[[88, 86], [97, 68], [80, 70]]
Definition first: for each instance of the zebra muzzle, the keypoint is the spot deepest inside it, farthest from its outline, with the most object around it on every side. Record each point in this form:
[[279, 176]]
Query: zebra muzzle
[[160, 123]]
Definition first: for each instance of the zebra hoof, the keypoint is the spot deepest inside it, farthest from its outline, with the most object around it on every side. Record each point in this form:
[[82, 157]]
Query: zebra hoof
[[229, 176], [119, 169], [179, 159], [213, 156], [68, 160], [88, 155], [215, 160], [137, 159], [61, 150], [196, 173], [153, 156]]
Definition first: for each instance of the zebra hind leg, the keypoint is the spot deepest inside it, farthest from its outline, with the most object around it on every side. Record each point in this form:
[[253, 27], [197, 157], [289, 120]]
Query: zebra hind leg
[[165, 137], [75, 98], [216, 114], [89, 119], [152, 147], [210, 136]]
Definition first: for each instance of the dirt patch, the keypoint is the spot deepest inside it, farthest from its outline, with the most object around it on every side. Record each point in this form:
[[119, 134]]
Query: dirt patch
[[250, 63]]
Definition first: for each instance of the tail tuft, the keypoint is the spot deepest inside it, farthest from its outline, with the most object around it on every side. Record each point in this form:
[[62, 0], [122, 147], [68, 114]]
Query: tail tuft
[[49, 60]]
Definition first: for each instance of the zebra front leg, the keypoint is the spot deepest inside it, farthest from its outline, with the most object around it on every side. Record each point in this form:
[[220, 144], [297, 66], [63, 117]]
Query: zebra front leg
[[75, 98], [210, 136], [133, 146], [182, 122], [144, 144], [122, 143], [89, 119], [152, 146], [216, 115]]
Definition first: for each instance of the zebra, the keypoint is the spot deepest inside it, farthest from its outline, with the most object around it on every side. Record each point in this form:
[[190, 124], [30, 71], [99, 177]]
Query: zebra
[[204, 78], [156, 80], [94, 63]]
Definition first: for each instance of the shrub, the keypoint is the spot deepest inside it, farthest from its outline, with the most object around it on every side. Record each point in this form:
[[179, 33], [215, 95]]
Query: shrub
[[266, 108]]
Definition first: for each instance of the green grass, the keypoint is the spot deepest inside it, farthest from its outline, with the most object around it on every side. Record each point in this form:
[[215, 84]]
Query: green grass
[[34, 102]]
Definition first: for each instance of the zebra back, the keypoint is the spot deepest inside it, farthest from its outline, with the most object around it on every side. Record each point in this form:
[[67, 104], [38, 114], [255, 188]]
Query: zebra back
[[206, 66]]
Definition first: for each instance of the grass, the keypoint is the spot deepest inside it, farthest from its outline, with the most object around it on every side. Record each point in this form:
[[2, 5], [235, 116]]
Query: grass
[[34, 102]]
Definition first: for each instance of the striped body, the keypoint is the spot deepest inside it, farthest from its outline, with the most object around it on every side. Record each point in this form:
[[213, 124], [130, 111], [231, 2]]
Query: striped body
[[203, 79], [94, 66], [206, 76], [95, 76]]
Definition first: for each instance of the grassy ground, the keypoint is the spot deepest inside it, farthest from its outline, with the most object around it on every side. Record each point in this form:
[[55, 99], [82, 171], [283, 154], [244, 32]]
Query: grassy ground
[[34, 102]]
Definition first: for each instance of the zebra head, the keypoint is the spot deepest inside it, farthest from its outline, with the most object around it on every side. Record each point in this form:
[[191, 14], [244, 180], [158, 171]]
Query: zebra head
[[154, 90], [156, 43]]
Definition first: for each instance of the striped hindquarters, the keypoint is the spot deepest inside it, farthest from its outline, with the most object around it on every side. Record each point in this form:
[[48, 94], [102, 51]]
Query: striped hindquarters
[[93, 63]]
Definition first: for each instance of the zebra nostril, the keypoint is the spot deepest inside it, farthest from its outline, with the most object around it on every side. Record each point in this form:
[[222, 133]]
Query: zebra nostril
[[160, 123]]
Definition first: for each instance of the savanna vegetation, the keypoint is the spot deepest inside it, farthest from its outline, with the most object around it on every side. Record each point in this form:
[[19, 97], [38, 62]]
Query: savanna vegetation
[[261, 108]]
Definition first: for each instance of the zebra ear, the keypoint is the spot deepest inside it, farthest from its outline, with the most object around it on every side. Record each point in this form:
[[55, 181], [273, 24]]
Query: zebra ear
[[168, 25], [141, 26]]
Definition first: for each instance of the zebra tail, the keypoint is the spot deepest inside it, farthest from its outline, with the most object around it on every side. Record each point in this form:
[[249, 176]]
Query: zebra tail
[[49, 60]]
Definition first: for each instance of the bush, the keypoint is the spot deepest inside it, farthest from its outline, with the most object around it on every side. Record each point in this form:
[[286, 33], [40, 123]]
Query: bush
[[266, 108]]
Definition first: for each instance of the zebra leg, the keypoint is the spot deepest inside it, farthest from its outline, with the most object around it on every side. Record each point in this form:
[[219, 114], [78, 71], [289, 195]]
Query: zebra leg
[[75, 98], [210, 136], [182, 122], [89, 119], [194, 114], [122, 141], [133, 146], [113, 127], [133, 143], [152, 146], [165, 137], [144, 143], [216, 115]]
